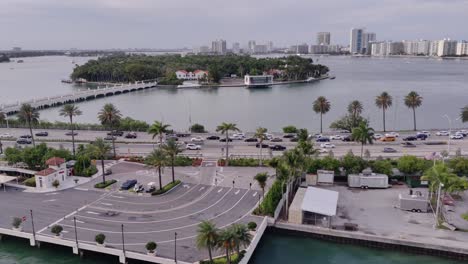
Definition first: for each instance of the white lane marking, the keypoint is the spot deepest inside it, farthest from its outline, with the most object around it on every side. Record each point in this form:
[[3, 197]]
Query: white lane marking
[[108, 204], [51, 193], [64, 231], [220, 190], [255, 194], [160, 231], [237, 192], [201, 189], [78, 221], [51, 200], [186, 186], [91, 212], [81, 189], [118, 197]]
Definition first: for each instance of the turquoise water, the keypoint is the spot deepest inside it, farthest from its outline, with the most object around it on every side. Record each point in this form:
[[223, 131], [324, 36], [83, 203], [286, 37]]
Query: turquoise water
[[276, 249]]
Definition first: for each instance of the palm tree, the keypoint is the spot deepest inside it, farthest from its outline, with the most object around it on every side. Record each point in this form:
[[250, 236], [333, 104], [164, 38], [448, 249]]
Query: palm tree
[[464, 114], [2, 117], [70, 111], [355, 109], [226, 242], [363, 134], [100, 149], [28, 114], [242, 237], [157, 159], [207, 237], [158, 129], [224, 128], [413, 100], [383, 101], [261, 179], [110, 116], [321, 106], [172, 149], [260, 134]]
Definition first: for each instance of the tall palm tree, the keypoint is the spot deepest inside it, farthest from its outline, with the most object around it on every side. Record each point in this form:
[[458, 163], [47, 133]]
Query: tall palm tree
[[70, 111], [261, 179], [100, 149], [172, 149], [321, 106], [260, 134], [2, 117], [363, 134], [226, 242], [224, 128], [158, 129], [157, 159], [355, 109], [242, 237], [110, 116], [413, 100], [207, 237], [464, 114], [383, 101], [28, 114]]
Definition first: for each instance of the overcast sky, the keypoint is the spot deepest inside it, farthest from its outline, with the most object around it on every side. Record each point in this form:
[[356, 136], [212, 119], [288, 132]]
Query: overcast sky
[[56, 24]]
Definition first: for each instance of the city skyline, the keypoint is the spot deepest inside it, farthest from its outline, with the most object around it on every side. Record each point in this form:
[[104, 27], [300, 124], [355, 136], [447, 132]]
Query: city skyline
[[53, 24]]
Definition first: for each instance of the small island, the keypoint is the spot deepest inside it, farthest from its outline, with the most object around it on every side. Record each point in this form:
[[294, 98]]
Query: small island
[[130, 68], [4, 58]]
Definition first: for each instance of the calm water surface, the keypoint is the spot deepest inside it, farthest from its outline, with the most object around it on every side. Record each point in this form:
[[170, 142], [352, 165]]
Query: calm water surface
[[442, 83]]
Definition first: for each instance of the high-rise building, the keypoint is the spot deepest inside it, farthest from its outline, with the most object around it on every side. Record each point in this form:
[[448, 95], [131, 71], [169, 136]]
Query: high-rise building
[[260, 49], [236, 47], [218, 46], [323, 38], [462, 48], [447, 47], [251, 45], [270, 46], [433, 47], [367, 38], [299, 49], [356, 40], [201, 50], [423, 47]]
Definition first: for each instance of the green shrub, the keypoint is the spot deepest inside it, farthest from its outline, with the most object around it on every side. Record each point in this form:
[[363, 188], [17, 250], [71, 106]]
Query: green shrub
[[252, 226], [31, 182], [151, 246], [56, 229], [197, 128], [16, 222], [56, 183], [105, 184], [166, 188], [289, 129], [100, 238], [381, 166], [247, 162], [459, 165], [182, 161], [353, 164], [410, 165]]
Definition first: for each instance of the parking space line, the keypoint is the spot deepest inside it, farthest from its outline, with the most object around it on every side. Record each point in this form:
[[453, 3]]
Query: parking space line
[[220, 190], [91, 212], [51, 200], [237, 192], [201, 189], [255, 194], [108, 204]]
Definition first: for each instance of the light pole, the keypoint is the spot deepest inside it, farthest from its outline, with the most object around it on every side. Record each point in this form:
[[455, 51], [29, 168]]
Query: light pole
[[450, 133], [76, 234], [175, 247], [438, 204], [32, 223], [123, 241]]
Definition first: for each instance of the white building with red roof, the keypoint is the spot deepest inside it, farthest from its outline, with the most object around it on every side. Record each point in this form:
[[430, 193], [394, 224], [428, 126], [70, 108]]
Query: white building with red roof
[[186, 75], [57, 170]]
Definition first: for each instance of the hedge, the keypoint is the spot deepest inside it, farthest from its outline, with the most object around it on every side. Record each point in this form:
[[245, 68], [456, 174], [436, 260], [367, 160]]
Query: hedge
[[105, 184], [31, 182], [244, 162], [222, 260], [271, 200], [166, 188]]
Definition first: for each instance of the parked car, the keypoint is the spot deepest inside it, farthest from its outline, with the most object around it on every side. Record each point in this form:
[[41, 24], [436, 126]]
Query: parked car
[[377, 136], [23, 141], [276, 139], [108, 171], [408, 145], [71, 134], [277, 147], [5, 135], [224, 140], [421, 136], [251, 140], [115, 133], [294, 139], [462, 132], [410, 138], [197, 139], [388, 139], [289, 135], [110, 138], [427, 133], [442, 133], [323, 139], [138, 188], [336, 137], [191, 146], [392, 134], [151, 187], [456, 136], [347, 139], [389, 150], [238, 136], [212, 138], [327, 145], [128, 184], [25, 136], [268, 136], [263, 145], [42, 134], [131, 135], [179, 135]]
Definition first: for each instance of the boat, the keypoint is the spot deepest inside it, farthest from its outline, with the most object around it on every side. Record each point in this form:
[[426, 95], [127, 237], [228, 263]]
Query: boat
[[81, 80], [19, 61], [258, 81], [67, 81], [188, 85]]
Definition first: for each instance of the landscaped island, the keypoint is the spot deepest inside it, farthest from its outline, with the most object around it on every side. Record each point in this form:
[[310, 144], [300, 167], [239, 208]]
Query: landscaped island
[[129, 68]]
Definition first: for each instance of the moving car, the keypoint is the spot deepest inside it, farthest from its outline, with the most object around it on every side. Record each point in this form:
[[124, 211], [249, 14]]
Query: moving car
[[212, 138], [251, 140], [327, 145], [239, 135], [336, 137], [22, 141], [42, 134], [268, 136], [323, 139], [388, 139], [224, 140], [408, 145], [5, 135], [108, 171], [389, 150], [427, 133], [347, 139], [456, 136], [115, 133], [25, 136], [110, 138], [128, 184], [442, 133], [289, 135], [131, 135], [410, 138], [276, 139], [71, 134], [197, 139], [277, 147], [377, 136], [294, 139], [392, 134], [422, 136], [263, 145], [191, 146], [179, 135], [236, 137]]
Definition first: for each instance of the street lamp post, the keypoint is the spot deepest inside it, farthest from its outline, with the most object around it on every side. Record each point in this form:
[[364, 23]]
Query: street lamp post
[[123, 241], [450, 133], [438, 204], [175, 247], [32, 224], [76, 234]]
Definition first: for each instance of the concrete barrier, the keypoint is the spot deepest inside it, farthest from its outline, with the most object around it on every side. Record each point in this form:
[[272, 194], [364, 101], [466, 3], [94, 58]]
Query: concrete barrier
[[256, 239]]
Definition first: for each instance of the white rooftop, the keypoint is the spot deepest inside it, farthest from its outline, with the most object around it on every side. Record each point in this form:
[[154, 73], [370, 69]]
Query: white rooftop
[[6, 179], [320, 201]]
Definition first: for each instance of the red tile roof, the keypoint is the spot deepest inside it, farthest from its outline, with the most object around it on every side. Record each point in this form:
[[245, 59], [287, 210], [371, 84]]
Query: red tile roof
[[184, 71], [46, 172], [55, 161]]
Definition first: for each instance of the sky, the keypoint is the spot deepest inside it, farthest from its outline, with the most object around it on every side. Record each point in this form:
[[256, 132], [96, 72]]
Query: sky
[[107, 24]]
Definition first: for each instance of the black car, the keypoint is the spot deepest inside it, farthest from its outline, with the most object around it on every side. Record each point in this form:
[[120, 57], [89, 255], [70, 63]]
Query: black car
[[182, 135], [131, 135], [421, 136], [251, 140], [294, 139], [289, 136], [276, 140], [263, 145], [408, 145], [42, 134], [389, 150], [212, 138], [410, 138], [322, 139], [22, 141], [277, 147], [70, 134], [172, 137], [115, 133], [25, 136], [110, 138], [128, 184], [224, 140], [347, 139]]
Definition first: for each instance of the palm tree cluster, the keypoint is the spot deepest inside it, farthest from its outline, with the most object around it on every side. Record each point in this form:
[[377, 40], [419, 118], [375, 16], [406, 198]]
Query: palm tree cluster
[[229, 240], [164, 156], [225, 128], [110, 117]]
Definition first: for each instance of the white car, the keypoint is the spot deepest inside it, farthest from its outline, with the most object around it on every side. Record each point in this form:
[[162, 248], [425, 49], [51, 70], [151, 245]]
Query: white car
[[327, 145], [392, 134], [236, 137], [427, 133], [456, 136], [442, 133], [323, 150], [239, 135], [378, 136], [268, 136], [197, 139], [191, 146], [5, 135], [336, 137]]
